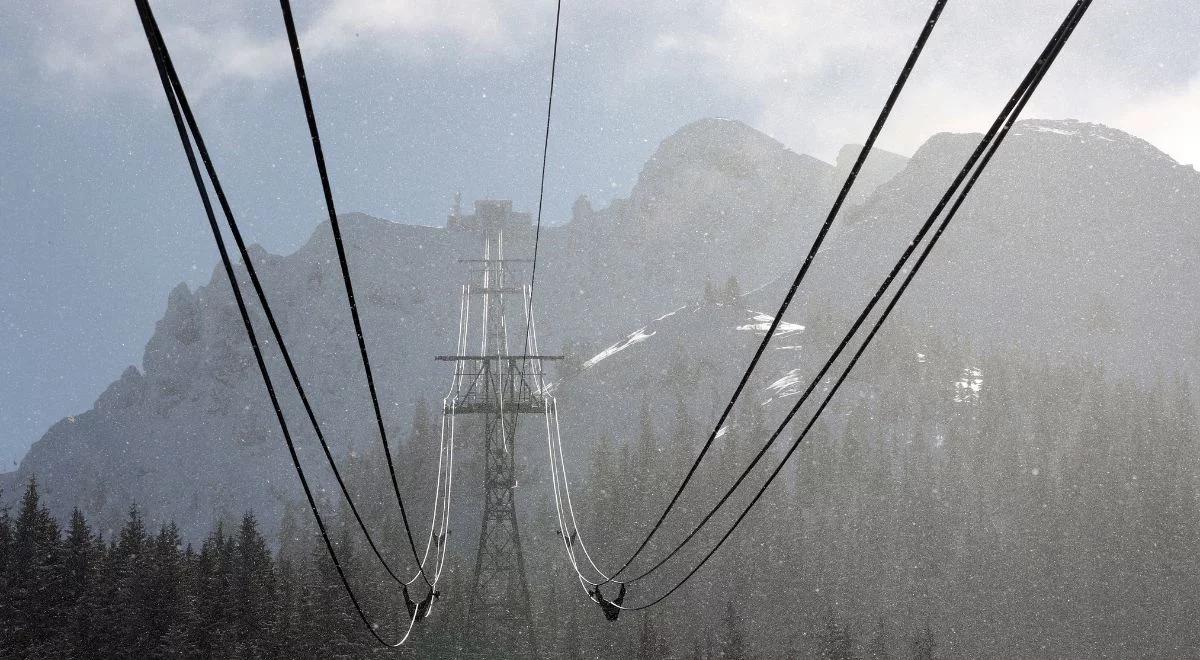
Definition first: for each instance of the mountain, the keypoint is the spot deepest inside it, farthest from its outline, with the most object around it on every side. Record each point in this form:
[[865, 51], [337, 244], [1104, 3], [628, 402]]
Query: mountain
[[190, 435], [876, 171], [1080, 242]]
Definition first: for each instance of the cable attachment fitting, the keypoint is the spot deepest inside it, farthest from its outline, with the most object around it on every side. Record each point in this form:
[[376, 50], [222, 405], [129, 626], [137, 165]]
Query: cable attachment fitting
[[611, 609], [420, 610]]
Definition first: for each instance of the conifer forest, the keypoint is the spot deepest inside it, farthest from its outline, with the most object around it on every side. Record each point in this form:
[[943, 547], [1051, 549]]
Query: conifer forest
[[493, 330]]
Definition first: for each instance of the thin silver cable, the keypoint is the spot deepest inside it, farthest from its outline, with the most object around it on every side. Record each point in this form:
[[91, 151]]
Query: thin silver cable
[[553, 439], [559, 464]]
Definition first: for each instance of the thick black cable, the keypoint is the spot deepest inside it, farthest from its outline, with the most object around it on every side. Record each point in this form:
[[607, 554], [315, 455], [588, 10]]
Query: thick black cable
[[537, 231], [991, 142], [231, 221], [309, 113], [884, 112], [158, 49], [929, 222]]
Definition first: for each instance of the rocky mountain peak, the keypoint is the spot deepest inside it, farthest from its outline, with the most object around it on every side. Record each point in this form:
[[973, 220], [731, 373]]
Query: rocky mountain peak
[[879, 168], [713, 151]]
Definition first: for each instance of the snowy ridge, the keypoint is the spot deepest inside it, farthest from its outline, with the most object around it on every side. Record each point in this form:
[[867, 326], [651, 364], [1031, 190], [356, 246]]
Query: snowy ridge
[[788, 385], [670, 314], [636, 337], [1088, 132], [762, 322]]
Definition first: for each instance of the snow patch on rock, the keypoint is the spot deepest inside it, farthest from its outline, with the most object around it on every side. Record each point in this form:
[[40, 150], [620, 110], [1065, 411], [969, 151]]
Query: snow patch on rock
[[968, 386], [635, 338], [788, 385], [760, 322]]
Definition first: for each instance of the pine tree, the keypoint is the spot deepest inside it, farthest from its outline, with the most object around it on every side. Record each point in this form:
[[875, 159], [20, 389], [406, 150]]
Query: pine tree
[[647, 485], [253, 590], [130, 557], [82, 554], [6, 611], [879, 646], [287, 626], [681, 450], [294, 537], [604, 487], [733, 290], [422, 447], [33, 595], [77, 553], [648, 642], [178, 635], [923, 646], [214, 636], [572, 650], [336, 628], [5, 538], [101, 602], [165, 572], [732, 644], [836, 642]]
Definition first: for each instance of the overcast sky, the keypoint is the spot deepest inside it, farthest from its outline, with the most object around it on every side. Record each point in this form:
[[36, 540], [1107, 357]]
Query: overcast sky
[[420, 98]]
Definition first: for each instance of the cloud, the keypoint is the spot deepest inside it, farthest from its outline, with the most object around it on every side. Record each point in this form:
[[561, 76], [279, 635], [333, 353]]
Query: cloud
[[818, 70], [809, 68], [812, 73], [1167, 120], [414, 26], [89, 48]]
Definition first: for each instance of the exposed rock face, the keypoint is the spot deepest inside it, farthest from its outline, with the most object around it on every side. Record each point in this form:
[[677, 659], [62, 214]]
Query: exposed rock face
[[876, 170], [1078, 244], [716, 199], [1079, 241], [715, 177]]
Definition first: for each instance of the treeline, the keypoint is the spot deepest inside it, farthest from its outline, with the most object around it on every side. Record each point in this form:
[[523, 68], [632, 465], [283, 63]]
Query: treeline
[[137, 593], [949, 505], [141, 593]]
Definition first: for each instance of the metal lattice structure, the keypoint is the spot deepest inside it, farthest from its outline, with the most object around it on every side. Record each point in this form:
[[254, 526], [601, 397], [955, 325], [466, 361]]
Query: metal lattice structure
[[499, 387]]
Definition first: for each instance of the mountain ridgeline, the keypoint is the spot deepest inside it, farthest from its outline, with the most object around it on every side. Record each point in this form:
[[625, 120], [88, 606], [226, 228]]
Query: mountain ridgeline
[[1028, 398]]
